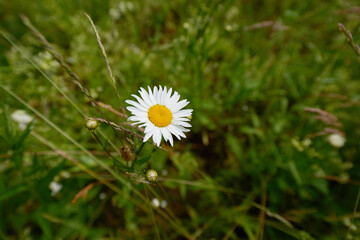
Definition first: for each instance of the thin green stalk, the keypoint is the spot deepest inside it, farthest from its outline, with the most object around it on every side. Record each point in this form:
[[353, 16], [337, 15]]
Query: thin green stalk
[[106, 150], [354, 214], [167, 209], [152, 213], [136, 156]]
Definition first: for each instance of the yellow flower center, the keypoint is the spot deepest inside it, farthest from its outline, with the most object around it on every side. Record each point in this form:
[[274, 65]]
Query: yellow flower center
[[160, 115]]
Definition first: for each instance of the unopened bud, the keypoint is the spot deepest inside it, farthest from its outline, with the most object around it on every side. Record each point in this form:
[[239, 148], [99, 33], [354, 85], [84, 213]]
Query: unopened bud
[[91, 124], [151, 175], [126, 153]]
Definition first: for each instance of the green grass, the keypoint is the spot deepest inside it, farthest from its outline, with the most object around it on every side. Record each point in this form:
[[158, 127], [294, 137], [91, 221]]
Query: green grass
[[254, 165]]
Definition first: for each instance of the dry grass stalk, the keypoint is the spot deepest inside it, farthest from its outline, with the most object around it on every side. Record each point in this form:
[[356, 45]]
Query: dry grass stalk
[[98, 39], [325, 117], [350, 39]]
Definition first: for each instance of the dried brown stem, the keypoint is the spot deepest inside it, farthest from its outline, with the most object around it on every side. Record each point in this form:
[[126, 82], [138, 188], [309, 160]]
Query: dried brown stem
[[98, 39], [120, 128], [324, 116], [350, 39], [111, 109], [325, 132]]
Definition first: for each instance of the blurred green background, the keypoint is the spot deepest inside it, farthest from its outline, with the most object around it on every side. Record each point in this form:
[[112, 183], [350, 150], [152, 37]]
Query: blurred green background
[[255, 165]]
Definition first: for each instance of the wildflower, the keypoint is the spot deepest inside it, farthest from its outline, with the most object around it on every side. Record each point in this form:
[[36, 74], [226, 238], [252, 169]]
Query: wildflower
[[160, 113], [163, 203], [155, 202], [55, 187], [22, 118], [102, 196], [151, 175], [336, 140]]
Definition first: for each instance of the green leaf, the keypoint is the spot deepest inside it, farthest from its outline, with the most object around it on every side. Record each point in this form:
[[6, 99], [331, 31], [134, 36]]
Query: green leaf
[[321, 185], [20, 140], [234, 145], [119, 165], [42, 185], [13, 191], [143, 160], [9, 129], [252, 131], [44, 225], [295, 172]]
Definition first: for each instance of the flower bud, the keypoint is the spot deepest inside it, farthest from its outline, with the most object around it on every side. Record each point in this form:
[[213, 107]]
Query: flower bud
[[336, 140], [151, 175], [91, 124], [126, 153]]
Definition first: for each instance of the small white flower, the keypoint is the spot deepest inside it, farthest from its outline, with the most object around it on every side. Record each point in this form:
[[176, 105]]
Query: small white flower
[[65, 174], [155, 202], [102, 196], [163, 204], [55, 187], [160, 113], [22, 118], [164, 172], [336, 140]]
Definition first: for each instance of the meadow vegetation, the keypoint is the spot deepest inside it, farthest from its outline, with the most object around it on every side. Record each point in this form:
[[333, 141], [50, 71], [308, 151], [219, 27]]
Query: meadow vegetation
[[273, 152]]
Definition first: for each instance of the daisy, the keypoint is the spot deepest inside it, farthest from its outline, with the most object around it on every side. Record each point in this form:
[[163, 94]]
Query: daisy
[[160, 113]]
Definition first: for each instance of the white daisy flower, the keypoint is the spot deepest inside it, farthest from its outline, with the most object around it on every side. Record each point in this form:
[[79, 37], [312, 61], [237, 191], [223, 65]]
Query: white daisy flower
[[160, 113]]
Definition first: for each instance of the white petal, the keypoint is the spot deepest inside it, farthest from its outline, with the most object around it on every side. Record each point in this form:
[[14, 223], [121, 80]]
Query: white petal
[[164, 133], [179, 105], [149, 128], [183, 119], [183, 113], [173, 100], [178, 131], [169, 136], [145, 96], [141, 101], [163, 96], [180, 123], [157, 136], [156, 93], [182, 128], [135, 104], [167, 97], [173, 130], [151, 96], [159, 95], [147, 136], [146, 124], [136, 118], [136, 111]]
